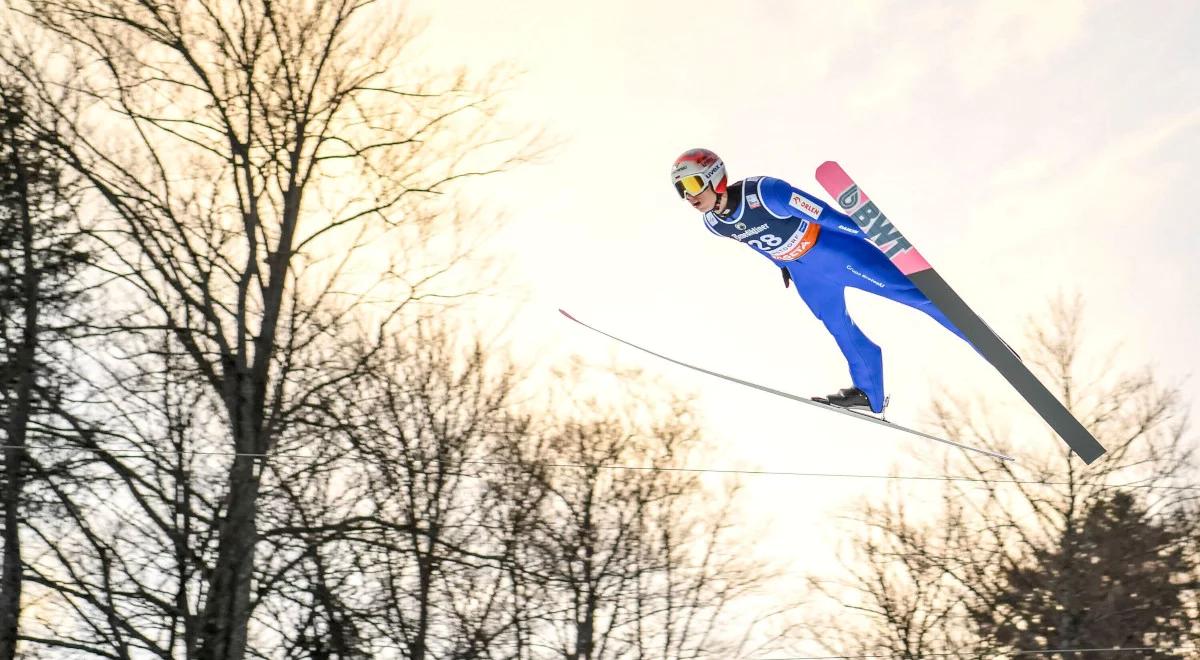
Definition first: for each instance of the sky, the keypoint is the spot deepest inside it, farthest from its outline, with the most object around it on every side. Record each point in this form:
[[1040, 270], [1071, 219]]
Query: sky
[[1028, 149]]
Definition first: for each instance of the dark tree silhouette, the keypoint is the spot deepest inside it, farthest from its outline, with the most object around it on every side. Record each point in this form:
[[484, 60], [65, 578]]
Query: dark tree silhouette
[[40, 259], [254, 163], [1045, 554]]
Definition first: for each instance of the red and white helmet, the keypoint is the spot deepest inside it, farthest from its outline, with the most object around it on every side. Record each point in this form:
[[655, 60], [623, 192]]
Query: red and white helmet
[[696, 170]]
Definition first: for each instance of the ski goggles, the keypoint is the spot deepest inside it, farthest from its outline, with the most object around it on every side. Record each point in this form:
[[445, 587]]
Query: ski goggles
[[693, 184]]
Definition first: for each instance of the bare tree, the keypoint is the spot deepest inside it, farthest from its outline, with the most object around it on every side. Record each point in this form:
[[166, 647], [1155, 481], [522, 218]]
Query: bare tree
[[367, 536], [635, 559], [384, 540], [1044, 554], [127, 534], [256, 161], [436, 521]]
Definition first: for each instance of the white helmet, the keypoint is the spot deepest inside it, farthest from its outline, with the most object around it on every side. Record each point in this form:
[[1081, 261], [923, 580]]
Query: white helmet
[[696, 170]]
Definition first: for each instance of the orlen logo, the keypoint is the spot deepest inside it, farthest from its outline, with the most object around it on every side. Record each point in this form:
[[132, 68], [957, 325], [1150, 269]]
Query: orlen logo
[[800, 203]]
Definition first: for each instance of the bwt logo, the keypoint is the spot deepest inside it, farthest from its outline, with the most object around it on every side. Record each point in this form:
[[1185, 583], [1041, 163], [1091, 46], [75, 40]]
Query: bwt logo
[[849, 198], [874, 224]]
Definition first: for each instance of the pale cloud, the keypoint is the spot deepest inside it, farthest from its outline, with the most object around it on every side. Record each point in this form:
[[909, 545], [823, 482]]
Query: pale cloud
[[922, 48], [1000, 35], [1116, 179], [896, 79]]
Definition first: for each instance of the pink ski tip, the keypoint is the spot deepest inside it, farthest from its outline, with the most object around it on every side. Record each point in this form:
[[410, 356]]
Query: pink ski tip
[[829, 165], [833, 178], [564, 313]]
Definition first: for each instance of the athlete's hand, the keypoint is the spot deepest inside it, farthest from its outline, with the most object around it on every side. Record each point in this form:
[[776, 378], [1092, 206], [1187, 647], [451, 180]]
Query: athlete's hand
[[787, 277]]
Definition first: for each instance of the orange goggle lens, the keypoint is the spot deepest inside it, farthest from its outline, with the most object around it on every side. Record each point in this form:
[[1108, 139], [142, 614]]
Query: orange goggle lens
[[690, 184]]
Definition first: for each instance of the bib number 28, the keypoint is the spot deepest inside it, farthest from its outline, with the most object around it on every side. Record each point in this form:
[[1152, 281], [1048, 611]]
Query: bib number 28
[[765, 242]]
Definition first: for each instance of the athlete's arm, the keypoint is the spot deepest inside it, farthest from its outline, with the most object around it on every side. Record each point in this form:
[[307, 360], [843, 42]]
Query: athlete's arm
[[781, 199]]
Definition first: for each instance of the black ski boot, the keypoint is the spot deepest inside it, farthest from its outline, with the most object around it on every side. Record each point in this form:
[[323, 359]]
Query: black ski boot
[[850, 397]]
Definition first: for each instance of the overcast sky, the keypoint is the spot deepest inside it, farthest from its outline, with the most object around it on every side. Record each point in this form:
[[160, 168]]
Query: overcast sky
[[1026, 148]]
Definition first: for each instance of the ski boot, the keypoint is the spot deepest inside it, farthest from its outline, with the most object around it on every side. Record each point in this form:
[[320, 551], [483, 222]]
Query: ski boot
[[850, 398]]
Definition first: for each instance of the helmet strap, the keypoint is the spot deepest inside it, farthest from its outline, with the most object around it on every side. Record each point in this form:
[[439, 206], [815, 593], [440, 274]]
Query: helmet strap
[[731, 197]]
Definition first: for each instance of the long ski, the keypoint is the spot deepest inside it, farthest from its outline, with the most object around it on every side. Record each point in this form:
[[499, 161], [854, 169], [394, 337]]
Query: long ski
[[855, 203], [793, 397]]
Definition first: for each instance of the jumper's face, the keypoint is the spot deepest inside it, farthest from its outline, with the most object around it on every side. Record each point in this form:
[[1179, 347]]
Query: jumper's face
[[703, 201]]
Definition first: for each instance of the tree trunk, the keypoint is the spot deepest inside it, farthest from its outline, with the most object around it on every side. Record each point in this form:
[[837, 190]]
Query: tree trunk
[[227, 610]]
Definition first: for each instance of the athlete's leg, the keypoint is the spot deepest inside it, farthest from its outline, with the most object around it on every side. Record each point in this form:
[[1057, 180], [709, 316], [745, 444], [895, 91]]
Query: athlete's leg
[[869, 269], [827, 300]]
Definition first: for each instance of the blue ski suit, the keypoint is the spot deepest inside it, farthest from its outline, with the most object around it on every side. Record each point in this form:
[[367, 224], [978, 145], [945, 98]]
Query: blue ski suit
[[824, 252]]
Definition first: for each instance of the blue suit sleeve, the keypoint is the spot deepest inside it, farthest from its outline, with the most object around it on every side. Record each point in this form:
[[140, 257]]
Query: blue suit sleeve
[[783, 200]]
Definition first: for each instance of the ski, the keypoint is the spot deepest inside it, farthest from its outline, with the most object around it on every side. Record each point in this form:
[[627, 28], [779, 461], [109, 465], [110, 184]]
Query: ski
[[880, 230], [793, 397]]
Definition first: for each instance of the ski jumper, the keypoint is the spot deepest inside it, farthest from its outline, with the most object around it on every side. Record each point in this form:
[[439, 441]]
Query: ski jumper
[[824, 252]]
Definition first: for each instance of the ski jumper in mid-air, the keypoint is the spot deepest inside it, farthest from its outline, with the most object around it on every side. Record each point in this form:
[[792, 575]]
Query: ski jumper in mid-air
[[817, 247]]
